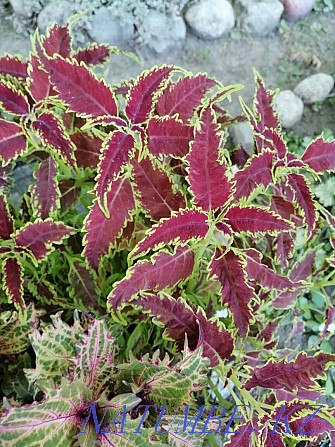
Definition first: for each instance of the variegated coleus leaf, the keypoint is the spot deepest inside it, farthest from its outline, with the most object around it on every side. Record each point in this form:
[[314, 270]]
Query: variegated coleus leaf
[[12, 141], [87, 149], [45, 192], [314, 428], [13, 282], [162, 381], [320, 155], [183, 97], [58, 41], [6, 221], [178, 319], [69, 193], [154, 190], [295, 376], [267, 118], [168, 136], [139, 100], [38, 82], [229, 269], [83, 288], [12, 100], [93, 54], [116, 152], [14, 332], [102, 231], [207, 175], [151, 275], [13, 66], [52, 133], [180, 228], [39, 236]]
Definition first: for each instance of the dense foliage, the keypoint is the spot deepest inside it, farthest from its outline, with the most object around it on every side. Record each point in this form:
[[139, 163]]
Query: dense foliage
[[139, 232]]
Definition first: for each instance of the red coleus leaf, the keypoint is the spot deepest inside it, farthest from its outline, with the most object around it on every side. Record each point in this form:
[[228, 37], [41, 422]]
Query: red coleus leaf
[[273, 440], [168, 136], [87, 149], [6, 221], [275, 141], [330, 319], [58, 41], [180, 228], [241, 437], [257, 172], [13, 66], [39, 236], [45, 193], [69, 193], [320, 155], [79, 88], [282, 207], [13, 280], [93, 54], [207, 176], [52, 133], [12, 100], [147, 275], [115, 154], [154, 189], [315, 427], [264, 107], [179, 319], [39, 84], [102, 232], [140, 96], [12, 141], [298, 375], [255, 220], [235, 292], [183, 97]]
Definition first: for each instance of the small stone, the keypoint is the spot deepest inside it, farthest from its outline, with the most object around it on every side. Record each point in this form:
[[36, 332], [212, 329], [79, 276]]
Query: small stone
[[54, 12], [289, 108], [107, 28], [297, 9], [315, 88], [263, 17], [163, 33], [242, 134], [210, 19], [21, 9]]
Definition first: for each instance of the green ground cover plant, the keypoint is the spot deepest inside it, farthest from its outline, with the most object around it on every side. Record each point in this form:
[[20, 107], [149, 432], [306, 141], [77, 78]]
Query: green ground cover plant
[[146, 256]]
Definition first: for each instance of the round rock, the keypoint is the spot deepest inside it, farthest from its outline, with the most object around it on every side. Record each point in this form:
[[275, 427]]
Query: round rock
[[297, 9], [263, 17], [210, 19], [107, 28], [21, 8], [289, 108], [242, 134], [315, 88], [54, 12]]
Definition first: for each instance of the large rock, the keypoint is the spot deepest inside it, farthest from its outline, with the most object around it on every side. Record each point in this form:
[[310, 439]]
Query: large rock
[[54, 12], [289, 107], [262, 18], [242, 134], [163, 34], [210, 19], [297, 9], [315, 88], [107, 28], [21, 9]]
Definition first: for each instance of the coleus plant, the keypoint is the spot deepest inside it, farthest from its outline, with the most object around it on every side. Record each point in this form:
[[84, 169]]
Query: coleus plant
[[156, 219]]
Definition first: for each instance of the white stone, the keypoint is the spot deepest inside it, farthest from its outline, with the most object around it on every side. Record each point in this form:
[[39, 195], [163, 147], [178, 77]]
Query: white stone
[[289, 107], [107, 28], [21, 8], [242, 134], [54, 12], [297, 9], [315, 88], [210, 19], [262, 18]]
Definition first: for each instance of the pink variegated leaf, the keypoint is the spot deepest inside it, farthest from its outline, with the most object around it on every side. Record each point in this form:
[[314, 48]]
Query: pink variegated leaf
[[164, 270], [264, 107], [53, 134], [183, 97], [255, 220], [93, 54], [207, 175], [154, 189], [79, 88], [58, 41], [102, 232], [39, 84], [6, 221], [13, 281], [276, 142], [39, 236], [168, 136], [179, 319], [139, 101], [13, 66], [115, 154], [87, 149], [320, 155], [180, 228], [12, 141], [235, 291], [45, 193], [13, 100], [297, 375], [258, 171]]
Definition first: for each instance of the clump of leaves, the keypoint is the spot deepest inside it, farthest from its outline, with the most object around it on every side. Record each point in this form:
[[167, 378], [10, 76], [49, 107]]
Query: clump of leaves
[[140, 212]]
